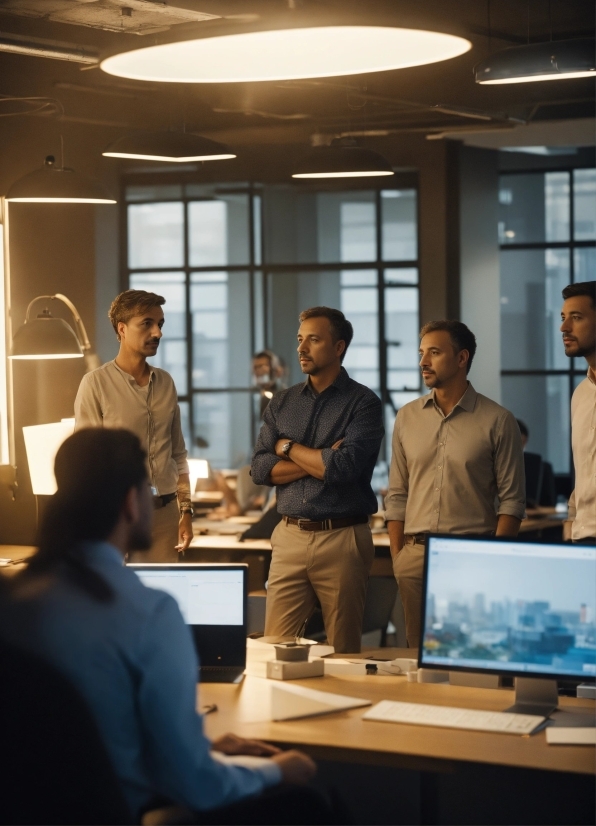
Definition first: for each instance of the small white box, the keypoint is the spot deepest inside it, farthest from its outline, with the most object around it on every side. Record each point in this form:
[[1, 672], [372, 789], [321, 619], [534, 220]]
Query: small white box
[[587, 691], [282, 670]]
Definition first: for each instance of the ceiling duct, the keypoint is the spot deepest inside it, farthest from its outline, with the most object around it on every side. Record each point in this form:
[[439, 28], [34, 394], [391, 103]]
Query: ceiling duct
[[37, 47]]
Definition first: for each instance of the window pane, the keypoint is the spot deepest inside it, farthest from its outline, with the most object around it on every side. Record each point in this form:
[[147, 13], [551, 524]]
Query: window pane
[[185, 425], [531, 284], [399, 225], [155, 235], [584, 204], [534, 208], [556, 191], [358, 278], [171, 354], [220, 329], [224, 421], [403, 275], [585, 264], [218, 230], [401, 331], [360, 305], [542, 402], [302, 226]]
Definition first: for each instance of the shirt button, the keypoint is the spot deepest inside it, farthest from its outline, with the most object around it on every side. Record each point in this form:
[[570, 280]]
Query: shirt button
[[437, 488], [303, 501], [436, 510], [439, 466]]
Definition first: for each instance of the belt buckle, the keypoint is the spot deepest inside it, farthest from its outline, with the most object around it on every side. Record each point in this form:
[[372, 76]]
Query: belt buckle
[[300, 521]]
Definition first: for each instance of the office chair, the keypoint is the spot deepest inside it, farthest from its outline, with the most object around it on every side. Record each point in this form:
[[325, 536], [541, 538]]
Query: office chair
[[54, 768]]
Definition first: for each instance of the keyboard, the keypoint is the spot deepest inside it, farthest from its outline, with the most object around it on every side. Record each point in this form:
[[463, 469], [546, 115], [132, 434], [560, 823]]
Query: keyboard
[[388, 711]]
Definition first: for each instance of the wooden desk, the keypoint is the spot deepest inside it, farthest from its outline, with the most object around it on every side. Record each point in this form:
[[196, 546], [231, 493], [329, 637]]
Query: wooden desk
[[344, 736]]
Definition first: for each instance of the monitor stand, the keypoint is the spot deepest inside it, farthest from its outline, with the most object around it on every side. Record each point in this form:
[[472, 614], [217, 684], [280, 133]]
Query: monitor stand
[[540, 696], [535, 696]]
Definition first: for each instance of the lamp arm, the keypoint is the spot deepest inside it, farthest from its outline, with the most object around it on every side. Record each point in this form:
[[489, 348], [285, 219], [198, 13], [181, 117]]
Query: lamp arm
[[81, 331]]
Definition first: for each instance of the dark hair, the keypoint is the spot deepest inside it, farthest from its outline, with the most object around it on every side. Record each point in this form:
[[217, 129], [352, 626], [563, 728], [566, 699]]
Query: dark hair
[[461, 336], [341, 329], [274, 362], [95, 469], [523, 428], [581, 288], [131, 303]]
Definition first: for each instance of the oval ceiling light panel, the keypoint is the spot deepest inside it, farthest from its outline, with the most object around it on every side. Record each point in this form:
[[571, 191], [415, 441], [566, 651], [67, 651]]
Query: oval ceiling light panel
[[286, 54], [342, 160], [556, 60]]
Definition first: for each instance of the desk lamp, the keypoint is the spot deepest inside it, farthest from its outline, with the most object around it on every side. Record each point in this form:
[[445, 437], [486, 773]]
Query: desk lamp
[[46, 337]]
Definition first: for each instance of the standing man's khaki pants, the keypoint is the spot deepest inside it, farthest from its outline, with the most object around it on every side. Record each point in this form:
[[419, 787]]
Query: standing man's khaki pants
[[165, 536], [408, 567], [332, 566]]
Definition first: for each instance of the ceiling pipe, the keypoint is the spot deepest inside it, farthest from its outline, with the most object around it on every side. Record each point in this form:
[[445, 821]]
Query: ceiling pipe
[[36, 47]]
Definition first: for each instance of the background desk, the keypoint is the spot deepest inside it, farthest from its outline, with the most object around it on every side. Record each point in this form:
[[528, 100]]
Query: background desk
[[445, 775]]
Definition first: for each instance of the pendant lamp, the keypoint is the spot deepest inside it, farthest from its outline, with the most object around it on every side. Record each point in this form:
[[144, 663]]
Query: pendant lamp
[[171, 147], [290, 49], [46, 337], [58, 185], [552, 60], [342, 159]]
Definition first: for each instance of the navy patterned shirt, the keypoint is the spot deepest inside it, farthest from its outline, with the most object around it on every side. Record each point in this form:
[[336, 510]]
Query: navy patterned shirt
[[344, 410]]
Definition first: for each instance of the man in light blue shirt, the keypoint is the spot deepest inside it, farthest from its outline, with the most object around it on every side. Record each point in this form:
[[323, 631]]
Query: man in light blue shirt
[[126, 647]]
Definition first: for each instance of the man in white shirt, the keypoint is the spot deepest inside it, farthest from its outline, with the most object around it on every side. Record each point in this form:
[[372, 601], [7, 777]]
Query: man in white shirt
[[578, 326], [129, 393]]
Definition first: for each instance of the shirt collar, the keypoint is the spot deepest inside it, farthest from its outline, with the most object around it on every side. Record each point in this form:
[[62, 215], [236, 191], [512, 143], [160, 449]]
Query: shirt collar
[[102, 552], [590, 378], [130, 378], [340, 383], [467, 401]]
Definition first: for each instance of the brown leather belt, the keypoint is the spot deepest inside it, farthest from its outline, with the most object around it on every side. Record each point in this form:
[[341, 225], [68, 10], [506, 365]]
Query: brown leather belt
[[326, 524], [162, 501], [415, 538]]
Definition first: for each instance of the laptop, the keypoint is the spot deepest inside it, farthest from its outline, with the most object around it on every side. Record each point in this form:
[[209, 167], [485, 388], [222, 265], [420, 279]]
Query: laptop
[[213, 601]]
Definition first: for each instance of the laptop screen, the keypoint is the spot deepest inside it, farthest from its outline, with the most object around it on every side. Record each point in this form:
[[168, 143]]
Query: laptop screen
[[510, 607], [212, 599]]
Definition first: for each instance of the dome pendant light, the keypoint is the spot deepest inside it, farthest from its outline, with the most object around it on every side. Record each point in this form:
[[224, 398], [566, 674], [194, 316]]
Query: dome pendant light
[[58, 185], [170, 147], [286, 53], [342, 159], [552, 60]]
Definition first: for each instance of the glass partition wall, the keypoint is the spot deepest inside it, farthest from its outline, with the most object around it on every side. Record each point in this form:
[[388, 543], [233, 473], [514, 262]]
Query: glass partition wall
[[238, 262], [547, 233]]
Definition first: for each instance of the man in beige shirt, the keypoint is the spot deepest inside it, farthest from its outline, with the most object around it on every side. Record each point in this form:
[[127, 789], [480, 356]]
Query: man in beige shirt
[[129, 393], [457, 463], [578, 326]]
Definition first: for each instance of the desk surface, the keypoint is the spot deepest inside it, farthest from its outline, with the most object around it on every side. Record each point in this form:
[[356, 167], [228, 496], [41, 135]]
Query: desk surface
[[344, 736]]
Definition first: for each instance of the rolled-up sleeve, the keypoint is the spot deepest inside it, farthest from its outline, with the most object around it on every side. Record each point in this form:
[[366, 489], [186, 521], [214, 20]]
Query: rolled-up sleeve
[[361, 443], [264, 458], [179, 453], [88, 412], [509, 469], [399, 482]]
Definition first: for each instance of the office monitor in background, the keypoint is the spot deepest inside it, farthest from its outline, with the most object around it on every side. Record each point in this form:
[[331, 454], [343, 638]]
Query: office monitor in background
[[213, 602], [512, 608]]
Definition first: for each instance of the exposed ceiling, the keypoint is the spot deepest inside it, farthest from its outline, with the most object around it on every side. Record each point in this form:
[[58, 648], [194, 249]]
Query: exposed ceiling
[[436, 99]]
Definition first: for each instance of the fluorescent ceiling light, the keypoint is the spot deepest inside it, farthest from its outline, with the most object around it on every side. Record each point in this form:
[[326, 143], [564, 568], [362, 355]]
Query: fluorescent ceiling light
[[343, 159], [553, 60], [171, 147], [286, 54], [52, 185]]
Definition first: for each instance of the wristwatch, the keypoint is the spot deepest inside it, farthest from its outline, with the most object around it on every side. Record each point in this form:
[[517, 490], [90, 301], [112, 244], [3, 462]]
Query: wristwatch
[[286, 448], [186, 508]]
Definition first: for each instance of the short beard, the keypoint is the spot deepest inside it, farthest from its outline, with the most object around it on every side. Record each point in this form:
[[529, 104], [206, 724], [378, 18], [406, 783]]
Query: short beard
[[582, 352], [140, 538]]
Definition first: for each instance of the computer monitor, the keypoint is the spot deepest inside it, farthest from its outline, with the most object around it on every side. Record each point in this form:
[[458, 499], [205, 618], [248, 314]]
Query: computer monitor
[[513, 608], [213, 601]]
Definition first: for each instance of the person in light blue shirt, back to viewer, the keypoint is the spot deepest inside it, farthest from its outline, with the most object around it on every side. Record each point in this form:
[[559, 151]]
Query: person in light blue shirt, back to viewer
[[127, 649]]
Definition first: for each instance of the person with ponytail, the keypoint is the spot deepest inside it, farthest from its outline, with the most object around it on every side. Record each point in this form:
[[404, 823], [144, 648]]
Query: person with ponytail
[[127, 649]]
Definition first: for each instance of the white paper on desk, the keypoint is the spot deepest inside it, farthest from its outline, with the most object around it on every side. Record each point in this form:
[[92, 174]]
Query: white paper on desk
[[290, 702], [247, 761], [571, 736]]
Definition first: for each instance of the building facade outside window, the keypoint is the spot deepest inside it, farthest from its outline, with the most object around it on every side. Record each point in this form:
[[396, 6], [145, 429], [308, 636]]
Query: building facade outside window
[[238, 262], [547, 235]]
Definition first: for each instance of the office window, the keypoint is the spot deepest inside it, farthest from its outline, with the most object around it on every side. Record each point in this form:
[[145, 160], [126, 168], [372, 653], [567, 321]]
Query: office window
[[237, 263], [547, 231]]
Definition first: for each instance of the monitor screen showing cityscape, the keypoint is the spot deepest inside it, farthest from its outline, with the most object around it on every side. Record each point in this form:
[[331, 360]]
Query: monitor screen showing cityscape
[[509, 606]]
